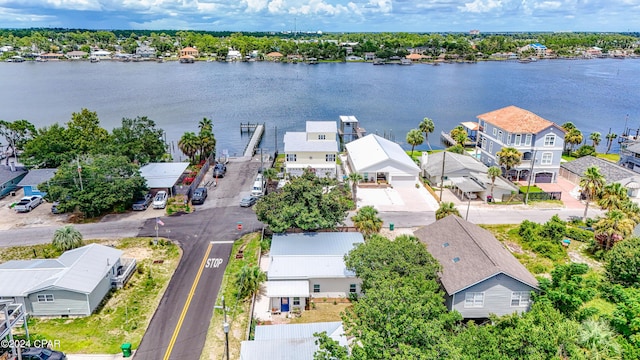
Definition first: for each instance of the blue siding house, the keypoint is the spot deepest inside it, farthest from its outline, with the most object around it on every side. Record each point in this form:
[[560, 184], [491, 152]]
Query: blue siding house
[[479, 275], [34, 178], [540, 142], [10, 176]]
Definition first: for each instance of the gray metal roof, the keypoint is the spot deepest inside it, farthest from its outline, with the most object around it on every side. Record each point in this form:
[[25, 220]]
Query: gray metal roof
[[452, 163], [612, 172], [297, 142], [371, 150], [36, 177], [291, 288], [321, 127], [79, 270], [289, 267], [320, 243], [7, 175], [298, 331], [466, 184], [162, 175], [500, 182], [469, 254]]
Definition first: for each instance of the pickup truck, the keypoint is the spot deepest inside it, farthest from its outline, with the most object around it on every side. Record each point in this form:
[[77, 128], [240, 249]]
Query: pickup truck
[[143, 204], [28, 203]]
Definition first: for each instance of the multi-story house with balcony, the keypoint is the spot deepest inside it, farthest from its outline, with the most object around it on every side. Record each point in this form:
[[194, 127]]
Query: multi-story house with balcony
[[316, 149], [540, 142]]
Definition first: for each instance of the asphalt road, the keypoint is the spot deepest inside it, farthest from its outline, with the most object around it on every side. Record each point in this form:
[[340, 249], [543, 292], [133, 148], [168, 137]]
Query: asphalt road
[[179, 326]]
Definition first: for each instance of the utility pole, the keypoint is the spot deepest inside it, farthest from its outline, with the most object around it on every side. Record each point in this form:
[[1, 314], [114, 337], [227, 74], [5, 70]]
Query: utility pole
[[442, 175], [80, 174], [225, 327], [533, 161]]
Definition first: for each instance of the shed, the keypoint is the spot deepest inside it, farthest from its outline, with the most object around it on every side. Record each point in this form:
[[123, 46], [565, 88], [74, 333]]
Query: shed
[[34, 178]]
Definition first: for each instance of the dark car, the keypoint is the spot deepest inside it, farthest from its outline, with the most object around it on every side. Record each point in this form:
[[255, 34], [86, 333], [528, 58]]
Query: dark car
[[199, 196], [220, 167], [143, 204], [217, 173], [54, 208], [248, 201], [37, 353]]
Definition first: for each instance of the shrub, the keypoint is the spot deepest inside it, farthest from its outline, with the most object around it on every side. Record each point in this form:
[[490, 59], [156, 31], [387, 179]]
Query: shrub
[[623, 263], [578, 234], [584, 150]]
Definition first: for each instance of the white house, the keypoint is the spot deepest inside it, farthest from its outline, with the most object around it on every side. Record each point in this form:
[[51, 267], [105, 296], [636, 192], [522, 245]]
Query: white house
[[378, 159], [316, 148], [310, 265], [101, 54], [72, 285]]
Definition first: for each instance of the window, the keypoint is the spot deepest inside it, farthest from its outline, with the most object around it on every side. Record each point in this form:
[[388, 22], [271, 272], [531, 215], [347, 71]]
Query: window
[[495, 131], [316, 288], [549, 140], [330, 157], [547, 157], [517, 141], [296, 301], [291, 157], [484, 143], [491, 147], [353, 288], [520, 298], [500, 135], [322, 137], [509, 139], [45, 298], [474, 299], [527, 141]]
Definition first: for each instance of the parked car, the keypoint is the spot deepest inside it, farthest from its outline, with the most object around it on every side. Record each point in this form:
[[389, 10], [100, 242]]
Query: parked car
[[39, 353], [248, 201], [143, 204], [54, 208], [221, 167], [28, 203], [199, 196], [160, 201], [217, 173]]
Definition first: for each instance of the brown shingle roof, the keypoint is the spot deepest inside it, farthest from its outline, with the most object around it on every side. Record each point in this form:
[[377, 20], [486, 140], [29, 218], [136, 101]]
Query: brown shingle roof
[[516, 120], [478, 254]]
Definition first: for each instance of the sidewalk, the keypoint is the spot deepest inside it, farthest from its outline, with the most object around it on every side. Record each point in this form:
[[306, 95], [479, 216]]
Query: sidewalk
[[97, 356]]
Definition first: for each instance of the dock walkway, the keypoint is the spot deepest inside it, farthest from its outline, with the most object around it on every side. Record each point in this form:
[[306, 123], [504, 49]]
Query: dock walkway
[[250, 150]]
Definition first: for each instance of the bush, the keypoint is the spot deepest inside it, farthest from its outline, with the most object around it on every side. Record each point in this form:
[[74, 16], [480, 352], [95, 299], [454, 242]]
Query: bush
[[578, 234], [584, 150], [623, 262]]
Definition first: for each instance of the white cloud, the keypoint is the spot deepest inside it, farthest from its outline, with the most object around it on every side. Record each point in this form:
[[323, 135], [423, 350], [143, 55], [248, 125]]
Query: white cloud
[[318, 7], [256, 5], [548, 5], [481, 6]]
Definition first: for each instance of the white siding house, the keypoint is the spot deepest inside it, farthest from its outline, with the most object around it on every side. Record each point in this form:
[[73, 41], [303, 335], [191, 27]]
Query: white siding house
[[479, 275], [310, 265], [316, 148]]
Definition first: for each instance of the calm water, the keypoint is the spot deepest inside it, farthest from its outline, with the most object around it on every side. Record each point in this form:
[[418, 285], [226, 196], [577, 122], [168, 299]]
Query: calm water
[[390, 99]]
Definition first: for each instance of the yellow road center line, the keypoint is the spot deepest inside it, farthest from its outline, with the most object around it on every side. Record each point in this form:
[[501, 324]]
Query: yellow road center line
[[176, 331]]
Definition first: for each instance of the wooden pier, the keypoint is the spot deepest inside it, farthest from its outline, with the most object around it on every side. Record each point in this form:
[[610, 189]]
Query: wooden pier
[[258, 131], [248, 127], [447, 139]]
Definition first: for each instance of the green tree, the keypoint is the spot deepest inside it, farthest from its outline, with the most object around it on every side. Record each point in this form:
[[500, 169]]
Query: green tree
[[614, 227], [366, 220], [595, 138], [96, 184], [414, 138], [427, 127], [16, 133], [610, 137], [84, 133], [598, 340], [459, 135], [623, 263], [67, 238], [509, 157], [613, 196], [139, 140], [572, 138], [49, 148], [189, 144], [355, 178], [569, 288], [493, 172], [249, 280], [456, 149], [307, 202], [446, 209], [591, 183], [329, 349]]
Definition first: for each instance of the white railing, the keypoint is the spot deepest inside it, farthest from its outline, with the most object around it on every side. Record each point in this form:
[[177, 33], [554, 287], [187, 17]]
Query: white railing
[[128, 266]]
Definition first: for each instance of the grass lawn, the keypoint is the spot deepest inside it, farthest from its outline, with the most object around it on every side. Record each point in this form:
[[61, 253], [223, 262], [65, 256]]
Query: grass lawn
[[238, 315], [323, 312], [611, 157], [532, 189], [125, 315]]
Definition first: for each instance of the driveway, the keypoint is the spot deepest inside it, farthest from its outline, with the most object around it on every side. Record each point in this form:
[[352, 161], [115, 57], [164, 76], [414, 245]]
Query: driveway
[[570, 192], [403, 199]]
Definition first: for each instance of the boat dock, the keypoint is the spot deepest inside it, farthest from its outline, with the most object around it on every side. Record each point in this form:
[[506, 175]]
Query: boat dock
[[447, 139], [258, 131]]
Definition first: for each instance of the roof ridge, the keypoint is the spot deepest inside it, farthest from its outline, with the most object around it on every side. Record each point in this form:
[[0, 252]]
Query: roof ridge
[[462, 225]]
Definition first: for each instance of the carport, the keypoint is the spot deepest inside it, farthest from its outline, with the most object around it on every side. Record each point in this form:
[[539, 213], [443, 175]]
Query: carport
[[163, 176], [466, 188]]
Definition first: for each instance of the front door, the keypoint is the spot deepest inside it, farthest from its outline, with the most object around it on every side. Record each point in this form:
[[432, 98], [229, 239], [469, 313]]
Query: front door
[[284, 304]]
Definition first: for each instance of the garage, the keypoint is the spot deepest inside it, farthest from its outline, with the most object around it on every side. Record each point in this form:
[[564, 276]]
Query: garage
[[544, 178], [403, 181]]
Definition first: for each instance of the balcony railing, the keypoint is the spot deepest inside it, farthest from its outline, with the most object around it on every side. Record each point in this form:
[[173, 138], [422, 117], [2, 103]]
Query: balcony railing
[[124, 273], [16, 317]]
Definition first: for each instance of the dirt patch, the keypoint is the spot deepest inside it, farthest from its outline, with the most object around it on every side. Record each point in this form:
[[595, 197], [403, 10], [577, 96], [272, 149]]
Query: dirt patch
[[577, 257], [392, 234], [514, 248]]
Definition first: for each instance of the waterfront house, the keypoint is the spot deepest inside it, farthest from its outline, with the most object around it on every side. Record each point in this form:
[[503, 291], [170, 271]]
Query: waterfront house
[[310, 265], [273, 56], [630, 156], [101, 55], [234, 55], [289, 341], [479, 275], [540, 50], [33, 179], [414, 57], [316, 148], [51, 56], [146, 51], [10, 176], [613, 173], [540, 142], [72, 285], [76, 55], [380, 160], [369, 56], [189, 51]]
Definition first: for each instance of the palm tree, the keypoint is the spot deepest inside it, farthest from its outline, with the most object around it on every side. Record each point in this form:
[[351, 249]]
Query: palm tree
[[610, 137], [509, 157], [459, 133], [205, 125], [427, 127], [568, 126], [572, 138], [493, 172], [591, 183], [632, 210], [355, 178], [595, 138], [249, 280], [446, 209], [189, 145], [366, 220], [615, 226], [67, 238], [206, 144], [597, 340], [414, 138], [613, 196]]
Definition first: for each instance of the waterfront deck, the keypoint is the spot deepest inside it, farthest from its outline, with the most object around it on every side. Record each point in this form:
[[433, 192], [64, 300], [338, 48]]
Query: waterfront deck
[[258, 131]]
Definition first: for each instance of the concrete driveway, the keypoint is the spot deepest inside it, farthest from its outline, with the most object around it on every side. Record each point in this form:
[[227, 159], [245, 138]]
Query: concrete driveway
[[404, 199]]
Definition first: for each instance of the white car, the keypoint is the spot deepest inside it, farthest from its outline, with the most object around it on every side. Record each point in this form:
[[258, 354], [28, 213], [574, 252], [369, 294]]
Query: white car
[[160, 201], [28, 203]]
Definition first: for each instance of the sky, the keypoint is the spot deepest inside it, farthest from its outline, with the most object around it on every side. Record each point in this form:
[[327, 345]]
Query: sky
[[326, 15]]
